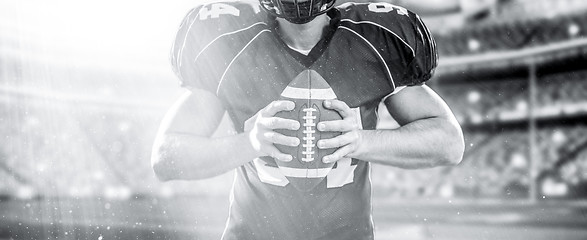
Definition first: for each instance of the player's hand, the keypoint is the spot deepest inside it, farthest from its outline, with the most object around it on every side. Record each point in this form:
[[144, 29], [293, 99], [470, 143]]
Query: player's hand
[[260, 129], [350, 138]]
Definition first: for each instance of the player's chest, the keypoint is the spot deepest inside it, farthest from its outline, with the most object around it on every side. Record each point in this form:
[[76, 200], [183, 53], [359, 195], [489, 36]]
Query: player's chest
[[263, 70]]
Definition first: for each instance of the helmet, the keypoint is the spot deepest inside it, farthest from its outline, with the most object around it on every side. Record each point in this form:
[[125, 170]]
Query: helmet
[[297, 11]]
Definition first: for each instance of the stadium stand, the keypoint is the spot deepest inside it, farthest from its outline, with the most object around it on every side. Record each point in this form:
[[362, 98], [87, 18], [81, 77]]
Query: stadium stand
[[512, 35]]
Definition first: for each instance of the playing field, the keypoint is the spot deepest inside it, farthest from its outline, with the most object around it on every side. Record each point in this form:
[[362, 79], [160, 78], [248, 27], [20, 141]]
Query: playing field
[[203, 218]]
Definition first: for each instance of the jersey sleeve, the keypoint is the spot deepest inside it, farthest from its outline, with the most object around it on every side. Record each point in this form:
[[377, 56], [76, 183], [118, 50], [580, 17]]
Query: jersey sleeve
[[403, 42], [184, 49], [209, 37], [422, 66]]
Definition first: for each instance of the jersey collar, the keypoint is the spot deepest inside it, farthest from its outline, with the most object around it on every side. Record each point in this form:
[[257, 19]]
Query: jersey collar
[[321, 46]]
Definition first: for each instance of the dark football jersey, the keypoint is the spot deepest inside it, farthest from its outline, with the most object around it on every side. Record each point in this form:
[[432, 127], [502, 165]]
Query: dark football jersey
[[370, 50]]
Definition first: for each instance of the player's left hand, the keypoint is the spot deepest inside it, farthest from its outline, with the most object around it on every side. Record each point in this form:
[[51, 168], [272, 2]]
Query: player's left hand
[[350, 138]]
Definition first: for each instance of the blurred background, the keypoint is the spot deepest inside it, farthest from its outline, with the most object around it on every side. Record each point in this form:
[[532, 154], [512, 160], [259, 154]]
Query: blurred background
[[84, 85]]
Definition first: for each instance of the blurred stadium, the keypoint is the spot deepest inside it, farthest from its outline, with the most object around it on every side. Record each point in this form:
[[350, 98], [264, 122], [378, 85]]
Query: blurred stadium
[[84, 85]]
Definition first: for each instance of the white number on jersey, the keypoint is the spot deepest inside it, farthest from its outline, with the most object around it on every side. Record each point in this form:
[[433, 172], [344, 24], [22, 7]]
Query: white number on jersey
[[383, 7], [343, 174], [216, 9]]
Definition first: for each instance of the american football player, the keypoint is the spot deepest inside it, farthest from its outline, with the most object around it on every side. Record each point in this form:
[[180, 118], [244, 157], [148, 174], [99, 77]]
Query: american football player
[[237, 57]]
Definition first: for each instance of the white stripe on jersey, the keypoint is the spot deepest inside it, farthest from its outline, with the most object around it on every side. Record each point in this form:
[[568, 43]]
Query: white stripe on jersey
[[223, 35], [392, 93], [305, 93], [396, 90], [386, 29], [305, 173], [235, 57], [180, 53], [375, 50]]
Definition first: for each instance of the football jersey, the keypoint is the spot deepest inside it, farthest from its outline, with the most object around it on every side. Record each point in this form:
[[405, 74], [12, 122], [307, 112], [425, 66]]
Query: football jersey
[[368, 52]]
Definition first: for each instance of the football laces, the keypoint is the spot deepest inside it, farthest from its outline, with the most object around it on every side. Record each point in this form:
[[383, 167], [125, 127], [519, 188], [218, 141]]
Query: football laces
[[309, 137]]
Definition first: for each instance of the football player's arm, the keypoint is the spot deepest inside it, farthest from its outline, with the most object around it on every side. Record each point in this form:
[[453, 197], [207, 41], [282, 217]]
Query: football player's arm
[[428, 136], [185, 149]]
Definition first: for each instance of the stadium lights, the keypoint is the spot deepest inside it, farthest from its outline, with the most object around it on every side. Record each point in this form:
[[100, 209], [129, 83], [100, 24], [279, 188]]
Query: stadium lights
[[522, 105], [476, 118], [554, 188], [474, 97], [25, 192], [474, 45], [573, 30], [519, 161], [559, 137], [117, 192]]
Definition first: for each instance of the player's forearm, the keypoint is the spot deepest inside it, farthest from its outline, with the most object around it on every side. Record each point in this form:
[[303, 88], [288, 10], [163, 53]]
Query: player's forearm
[[187, 157], [421, 144]]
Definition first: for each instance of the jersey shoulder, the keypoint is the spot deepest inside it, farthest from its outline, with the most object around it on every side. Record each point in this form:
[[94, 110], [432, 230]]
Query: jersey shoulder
[[217, 28], [394, 29], [382, 13]]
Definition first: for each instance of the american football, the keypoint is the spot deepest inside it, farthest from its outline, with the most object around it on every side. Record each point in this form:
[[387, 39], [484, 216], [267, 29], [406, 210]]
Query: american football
[[308, 90]]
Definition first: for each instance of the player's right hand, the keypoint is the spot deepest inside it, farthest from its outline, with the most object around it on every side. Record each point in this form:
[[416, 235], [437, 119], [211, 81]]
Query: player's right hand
[[260, 129]]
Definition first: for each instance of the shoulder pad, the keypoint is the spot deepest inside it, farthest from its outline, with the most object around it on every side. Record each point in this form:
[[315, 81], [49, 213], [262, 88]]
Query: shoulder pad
[[394, 29], [203, 30]]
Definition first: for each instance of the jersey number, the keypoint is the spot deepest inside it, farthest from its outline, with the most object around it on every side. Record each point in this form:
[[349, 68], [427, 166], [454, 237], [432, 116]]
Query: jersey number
[[383, 7], [343, 174], [216, 9]]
